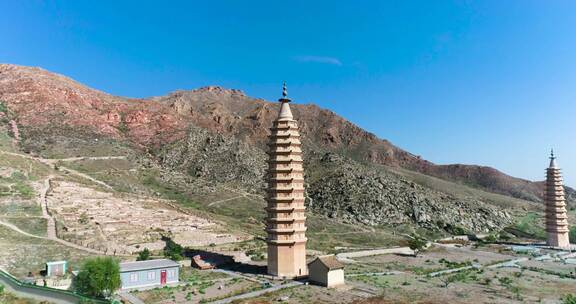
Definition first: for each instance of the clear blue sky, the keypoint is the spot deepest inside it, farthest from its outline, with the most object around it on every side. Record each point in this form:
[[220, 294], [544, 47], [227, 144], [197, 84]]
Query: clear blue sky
[[476, 82]]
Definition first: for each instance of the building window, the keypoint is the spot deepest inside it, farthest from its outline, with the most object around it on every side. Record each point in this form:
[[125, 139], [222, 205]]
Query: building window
[[133, 277], [151, 275], [171, 273]]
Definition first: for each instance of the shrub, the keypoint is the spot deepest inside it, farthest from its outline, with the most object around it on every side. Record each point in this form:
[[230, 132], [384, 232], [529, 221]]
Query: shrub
[[98, 277], [569, 299], [172, 250], [143, 255], [573, 235], [505, 281], [416, 243]]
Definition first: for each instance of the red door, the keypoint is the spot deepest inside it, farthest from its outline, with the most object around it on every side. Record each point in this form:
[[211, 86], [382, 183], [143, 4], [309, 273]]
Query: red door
[[163, 277]]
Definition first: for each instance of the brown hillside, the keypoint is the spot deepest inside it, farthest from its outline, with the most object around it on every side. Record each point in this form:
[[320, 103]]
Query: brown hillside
[[39, 98]]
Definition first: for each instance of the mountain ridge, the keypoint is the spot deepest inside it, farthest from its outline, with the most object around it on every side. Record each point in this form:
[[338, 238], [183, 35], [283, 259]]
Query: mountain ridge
[[40, 97]]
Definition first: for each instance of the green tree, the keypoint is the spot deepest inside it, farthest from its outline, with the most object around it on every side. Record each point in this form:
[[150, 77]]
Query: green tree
[[143, 255], [172, 250], [569, 299], [572, 235], [417, 243], [98, 277]]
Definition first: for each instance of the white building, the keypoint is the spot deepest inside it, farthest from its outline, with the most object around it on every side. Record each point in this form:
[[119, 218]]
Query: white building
[[148, 273]]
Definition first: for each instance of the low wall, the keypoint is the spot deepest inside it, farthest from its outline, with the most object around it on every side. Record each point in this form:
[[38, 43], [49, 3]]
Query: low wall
[[43, 293]]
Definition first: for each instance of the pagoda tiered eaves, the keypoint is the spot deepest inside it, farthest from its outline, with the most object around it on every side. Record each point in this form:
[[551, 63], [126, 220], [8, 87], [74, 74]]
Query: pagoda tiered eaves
[[555, 207], [286, 220]]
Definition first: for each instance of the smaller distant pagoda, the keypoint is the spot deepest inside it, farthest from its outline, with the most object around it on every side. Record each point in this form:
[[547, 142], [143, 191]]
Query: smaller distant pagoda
[[556, 218]]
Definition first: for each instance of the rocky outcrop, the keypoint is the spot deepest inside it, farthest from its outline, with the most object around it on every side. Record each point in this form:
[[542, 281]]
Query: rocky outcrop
[[218, 158], [356, 193]]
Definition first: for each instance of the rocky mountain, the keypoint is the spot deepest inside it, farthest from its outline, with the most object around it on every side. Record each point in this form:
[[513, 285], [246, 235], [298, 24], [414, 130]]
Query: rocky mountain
[[392, 200], [219, 135]]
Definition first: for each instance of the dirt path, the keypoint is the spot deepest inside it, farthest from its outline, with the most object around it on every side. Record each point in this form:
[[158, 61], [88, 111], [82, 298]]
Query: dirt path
[[72, 159], [86, 176], [42, 201], [225, 200], [51, 228], [52, 163], [65, 243], [13, 227]]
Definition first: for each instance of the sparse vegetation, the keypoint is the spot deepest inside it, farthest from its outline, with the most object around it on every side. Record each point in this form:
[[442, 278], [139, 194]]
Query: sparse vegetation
[[461, 276], [417, 243]]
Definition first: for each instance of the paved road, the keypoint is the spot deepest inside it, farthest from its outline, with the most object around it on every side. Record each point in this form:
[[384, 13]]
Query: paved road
[[130, 298], [239, 275], [258, 293], [36, 294], [375, 273], [365, 253], [453, 270], [511, 263]]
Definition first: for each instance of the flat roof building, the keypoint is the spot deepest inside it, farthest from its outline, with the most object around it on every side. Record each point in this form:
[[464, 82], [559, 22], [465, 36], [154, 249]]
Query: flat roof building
[[149, 273], [57, 268]]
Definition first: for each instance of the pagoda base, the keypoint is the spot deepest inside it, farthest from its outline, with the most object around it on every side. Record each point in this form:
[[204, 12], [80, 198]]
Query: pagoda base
[[559, 240], [287, 261]]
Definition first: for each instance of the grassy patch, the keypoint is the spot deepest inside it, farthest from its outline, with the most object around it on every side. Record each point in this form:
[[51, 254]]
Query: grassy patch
[[21, 254], [32, 225], [189, 274], [325, 234], [531, 225], [19, 208]]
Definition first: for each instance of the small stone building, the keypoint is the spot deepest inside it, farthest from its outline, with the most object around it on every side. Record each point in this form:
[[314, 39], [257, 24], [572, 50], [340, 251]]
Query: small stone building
[[148, 273], [326, 271]]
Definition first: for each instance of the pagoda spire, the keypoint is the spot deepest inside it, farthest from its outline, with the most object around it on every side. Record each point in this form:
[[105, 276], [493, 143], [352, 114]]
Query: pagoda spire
[[285, 112], [286, 220], [556, 218], [552, 159]]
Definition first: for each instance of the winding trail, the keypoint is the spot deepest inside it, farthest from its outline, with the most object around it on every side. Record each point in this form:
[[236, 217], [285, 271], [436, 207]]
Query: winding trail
[[53, 161], [225, 200], [51, 228], [43, 202], [13, 227]]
